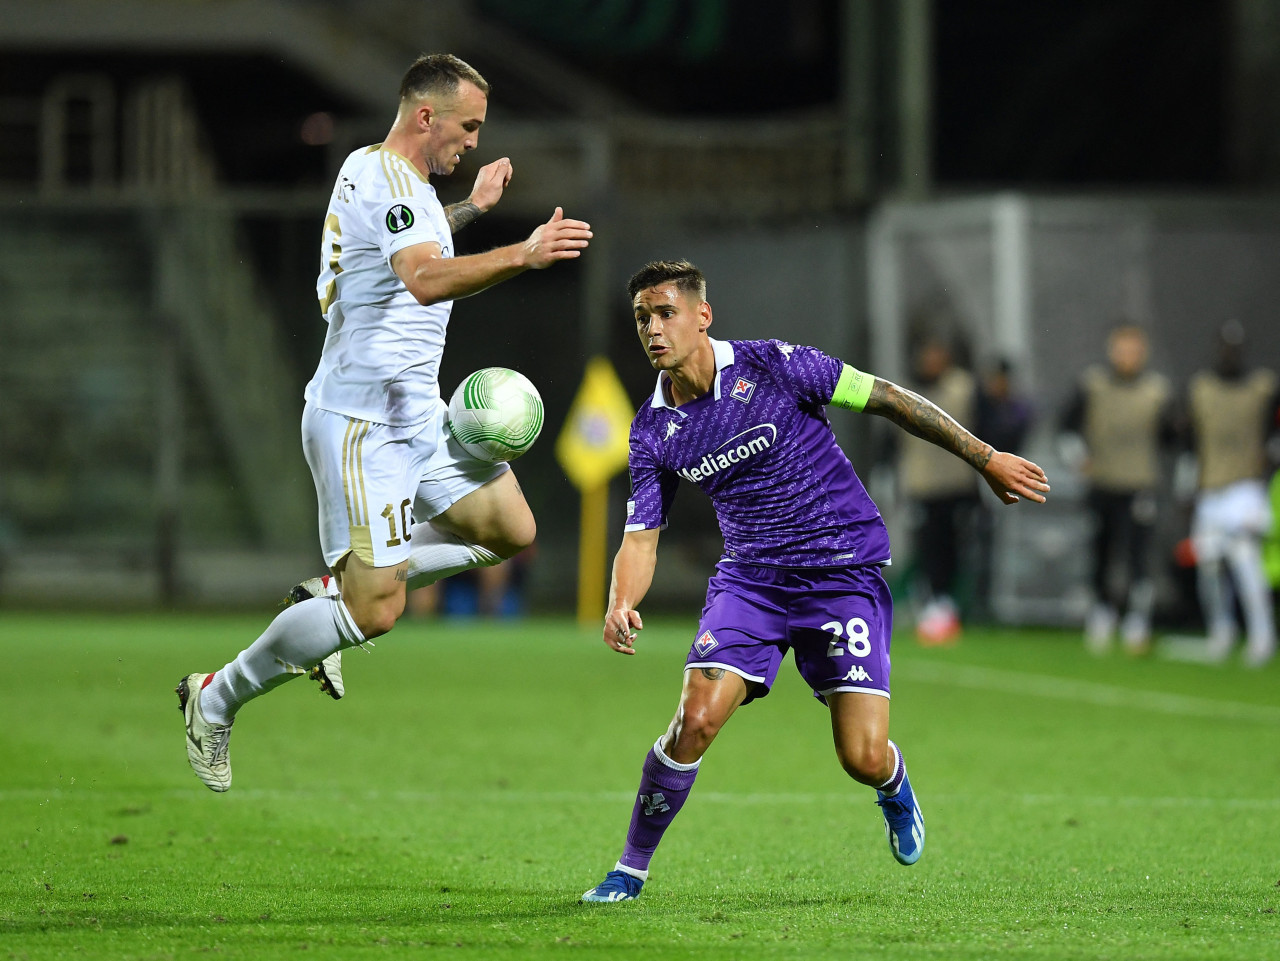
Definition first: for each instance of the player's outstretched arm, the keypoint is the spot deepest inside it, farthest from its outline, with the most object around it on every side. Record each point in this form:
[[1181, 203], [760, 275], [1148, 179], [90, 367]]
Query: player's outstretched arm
[[633, 569], [1009, 476], [432, 278], [487, 191]]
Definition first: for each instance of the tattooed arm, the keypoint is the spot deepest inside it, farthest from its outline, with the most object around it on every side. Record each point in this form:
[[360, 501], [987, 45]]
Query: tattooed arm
[[925, 419], [1008, 475], [459, 215]]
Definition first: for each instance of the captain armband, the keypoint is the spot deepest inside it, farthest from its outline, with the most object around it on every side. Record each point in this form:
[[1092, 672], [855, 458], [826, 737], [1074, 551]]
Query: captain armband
[[853, 389]]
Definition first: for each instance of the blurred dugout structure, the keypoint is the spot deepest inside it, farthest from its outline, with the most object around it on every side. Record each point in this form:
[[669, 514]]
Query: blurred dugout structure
[[163, 172]]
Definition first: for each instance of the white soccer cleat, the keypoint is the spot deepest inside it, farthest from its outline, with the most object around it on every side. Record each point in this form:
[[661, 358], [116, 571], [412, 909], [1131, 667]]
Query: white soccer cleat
[[324, 586], [208, 747], [329, 673]]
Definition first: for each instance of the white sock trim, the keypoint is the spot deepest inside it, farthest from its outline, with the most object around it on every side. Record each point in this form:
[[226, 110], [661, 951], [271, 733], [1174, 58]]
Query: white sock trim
[[634, 872], [347, 624], [897, 761], [674, 765]]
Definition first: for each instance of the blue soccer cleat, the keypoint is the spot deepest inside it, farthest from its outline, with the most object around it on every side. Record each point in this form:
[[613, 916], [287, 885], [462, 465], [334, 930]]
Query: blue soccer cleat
[[616, 886], [903, 823]]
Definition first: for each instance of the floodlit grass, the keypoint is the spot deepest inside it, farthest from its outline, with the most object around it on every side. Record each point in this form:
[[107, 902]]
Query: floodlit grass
[[479, 777]]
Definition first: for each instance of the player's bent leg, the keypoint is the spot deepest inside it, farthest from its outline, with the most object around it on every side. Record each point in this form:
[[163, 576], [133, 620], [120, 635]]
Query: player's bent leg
[[860, 724], [495, 517], [709, 698], [375, 596], [860, 729]]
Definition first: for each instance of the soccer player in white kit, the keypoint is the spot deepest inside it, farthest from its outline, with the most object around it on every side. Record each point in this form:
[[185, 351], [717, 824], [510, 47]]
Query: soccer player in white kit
[[401, 502]]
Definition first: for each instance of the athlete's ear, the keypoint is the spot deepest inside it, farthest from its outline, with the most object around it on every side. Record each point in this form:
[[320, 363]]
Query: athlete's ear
[[704, 313], [425, 114]]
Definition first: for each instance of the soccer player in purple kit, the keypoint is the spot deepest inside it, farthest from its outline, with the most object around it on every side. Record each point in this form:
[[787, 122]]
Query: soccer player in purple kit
[[745, 421]]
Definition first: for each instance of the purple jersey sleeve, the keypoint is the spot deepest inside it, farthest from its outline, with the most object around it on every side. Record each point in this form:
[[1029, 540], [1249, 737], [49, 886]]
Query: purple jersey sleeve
[[807, 372], [652, 486]]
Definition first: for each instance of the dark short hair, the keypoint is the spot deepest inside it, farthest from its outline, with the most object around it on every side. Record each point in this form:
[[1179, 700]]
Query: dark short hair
[[439, 74], [680, 273]]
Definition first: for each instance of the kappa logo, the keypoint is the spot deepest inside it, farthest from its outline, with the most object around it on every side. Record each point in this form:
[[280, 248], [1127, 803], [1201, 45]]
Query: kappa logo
[[786, 350], [655, 803], [672, 427], [704, 644], [742, 390], [856, 673], [399, 218]]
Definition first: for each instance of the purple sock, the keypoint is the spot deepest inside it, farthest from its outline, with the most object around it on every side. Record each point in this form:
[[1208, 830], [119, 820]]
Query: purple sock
[[890, 787], [664, 786]]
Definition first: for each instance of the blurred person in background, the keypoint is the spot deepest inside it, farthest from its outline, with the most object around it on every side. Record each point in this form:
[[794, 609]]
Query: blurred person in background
[[1004, 419], [942, 489], [400, 502], [1232, 411], [1119, 418]]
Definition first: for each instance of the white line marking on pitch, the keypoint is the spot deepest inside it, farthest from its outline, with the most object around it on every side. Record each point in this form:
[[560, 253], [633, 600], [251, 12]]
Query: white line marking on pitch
[[1104, 695], [521, 797]]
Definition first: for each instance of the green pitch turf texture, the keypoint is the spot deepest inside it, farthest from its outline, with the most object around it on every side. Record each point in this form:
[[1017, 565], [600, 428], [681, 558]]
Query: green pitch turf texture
[[479, 777]]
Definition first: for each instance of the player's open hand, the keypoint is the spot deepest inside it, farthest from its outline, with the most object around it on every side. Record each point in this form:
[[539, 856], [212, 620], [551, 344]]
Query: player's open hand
[[557, 239], [1012, 478], [620, 630], [490, 182]]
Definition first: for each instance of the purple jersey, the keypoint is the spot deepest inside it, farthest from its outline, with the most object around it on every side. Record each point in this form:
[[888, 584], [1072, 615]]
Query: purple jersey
[[760, 445]]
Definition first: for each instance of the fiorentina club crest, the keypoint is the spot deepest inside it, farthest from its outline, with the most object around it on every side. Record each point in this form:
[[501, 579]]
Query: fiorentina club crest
[[742, 389], [704, 644]]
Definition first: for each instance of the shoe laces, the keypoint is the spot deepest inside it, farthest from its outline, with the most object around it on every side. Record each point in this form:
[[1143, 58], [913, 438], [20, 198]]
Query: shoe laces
[[894, 807], [220, 740]]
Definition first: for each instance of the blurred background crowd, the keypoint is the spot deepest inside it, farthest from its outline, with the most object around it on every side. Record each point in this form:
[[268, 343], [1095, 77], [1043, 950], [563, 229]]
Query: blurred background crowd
[[1059, 220]]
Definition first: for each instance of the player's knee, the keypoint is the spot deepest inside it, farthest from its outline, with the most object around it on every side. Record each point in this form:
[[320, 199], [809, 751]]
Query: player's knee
[[695, 729], [516, 535], [866, 762], [378, 617]]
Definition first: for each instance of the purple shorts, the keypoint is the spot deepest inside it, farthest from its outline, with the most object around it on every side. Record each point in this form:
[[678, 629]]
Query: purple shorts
[[838, 620]]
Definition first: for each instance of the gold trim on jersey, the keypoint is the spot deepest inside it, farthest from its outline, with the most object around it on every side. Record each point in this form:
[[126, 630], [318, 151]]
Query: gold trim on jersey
[[371, 148], [408, 167], [362, 545], [396, 179], [353, 474]]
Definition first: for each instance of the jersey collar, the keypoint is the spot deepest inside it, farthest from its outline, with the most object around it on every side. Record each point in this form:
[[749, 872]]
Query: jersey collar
[[723, 351]]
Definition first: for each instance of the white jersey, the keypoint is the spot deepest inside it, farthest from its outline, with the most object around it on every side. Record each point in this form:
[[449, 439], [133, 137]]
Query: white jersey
[[381, 358]]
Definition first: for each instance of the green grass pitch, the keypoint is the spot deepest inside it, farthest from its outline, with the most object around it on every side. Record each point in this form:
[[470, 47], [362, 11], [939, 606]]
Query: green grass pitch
[[479, 776]]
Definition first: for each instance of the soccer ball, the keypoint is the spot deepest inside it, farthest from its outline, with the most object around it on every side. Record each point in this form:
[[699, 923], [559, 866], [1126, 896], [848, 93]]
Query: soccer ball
[[495, 414]]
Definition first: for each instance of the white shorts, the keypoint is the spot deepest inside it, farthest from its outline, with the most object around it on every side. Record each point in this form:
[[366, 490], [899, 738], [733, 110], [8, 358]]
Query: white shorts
[[1239, 509], [373, 481]]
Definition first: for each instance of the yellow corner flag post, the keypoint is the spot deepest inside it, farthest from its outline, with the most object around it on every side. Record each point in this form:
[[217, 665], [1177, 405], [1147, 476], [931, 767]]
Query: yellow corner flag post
[[592, 448]]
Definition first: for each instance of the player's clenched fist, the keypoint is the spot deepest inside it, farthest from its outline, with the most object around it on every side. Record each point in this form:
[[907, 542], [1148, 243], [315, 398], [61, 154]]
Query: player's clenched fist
[[620, 630], [557, 239]]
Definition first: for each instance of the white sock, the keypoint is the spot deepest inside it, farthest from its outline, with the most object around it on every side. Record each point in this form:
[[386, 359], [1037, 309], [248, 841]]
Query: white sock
[[300, 637], [436, 554]]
